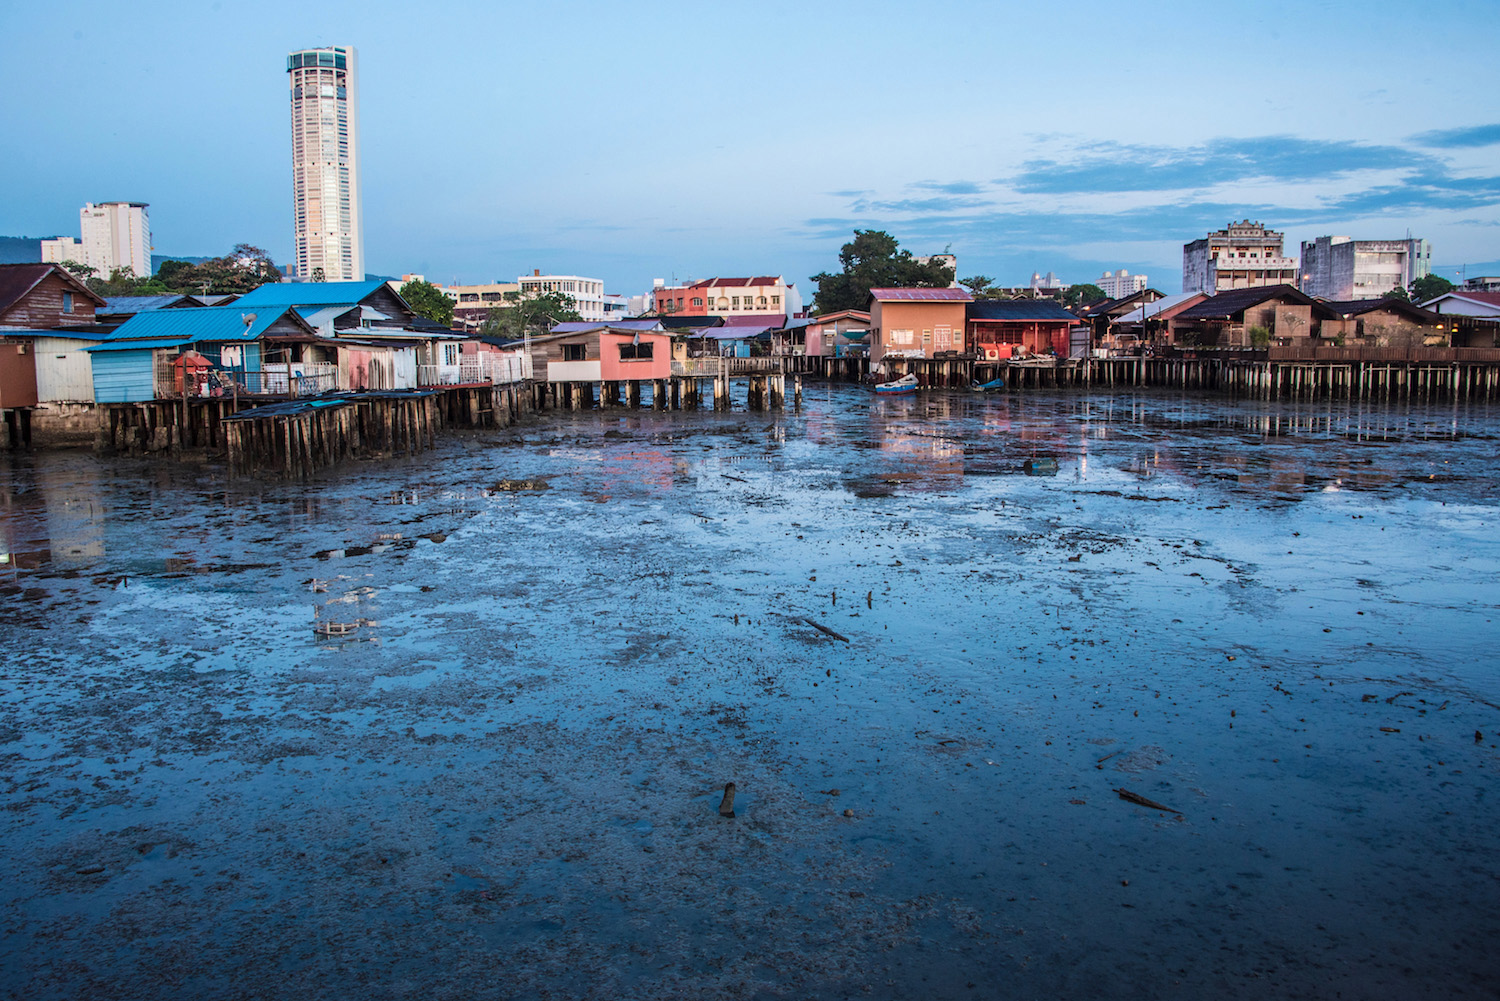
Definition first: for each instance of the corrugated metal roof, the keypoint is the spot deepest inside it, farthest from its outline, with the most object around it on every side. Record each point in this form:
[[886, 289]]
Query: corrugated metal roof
[[1155, 308], [208, 323], [1020, 310], [140, 303], [307, 293], [140, 345], [318, 316], [920, 295], [574, 326]]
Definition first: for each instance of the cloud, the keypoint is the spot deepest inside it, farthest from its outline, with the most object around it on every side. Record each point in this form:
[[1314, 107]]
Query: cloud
[[951, 187], [940, 203], [1118, 167], [1424, 190], [1465, 138]]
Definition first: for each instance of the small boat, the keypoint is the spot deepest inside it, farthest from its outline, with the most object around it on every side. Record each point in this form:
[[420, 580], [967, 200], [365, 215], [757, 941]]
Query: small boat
[[988, 387], [906, 384], [1040, 466]]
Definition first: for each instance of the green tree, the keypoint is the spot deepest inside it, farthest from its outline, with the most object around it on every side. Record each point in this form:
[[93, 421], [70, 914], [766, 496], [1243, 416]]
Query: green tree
[[428, 300], [980, 286], [1397, 293], [874, 260], [318, 275], [1082, 295], [242, 269], [525, 313], [1429, 287]]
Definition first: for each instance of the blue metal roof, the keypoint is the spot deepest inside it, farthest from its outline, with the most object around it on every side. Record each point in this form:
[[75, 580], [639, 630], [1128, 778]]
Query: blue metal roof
[[209, 323], [138, 303], [1019, 309], [307, 293], [140, 345]]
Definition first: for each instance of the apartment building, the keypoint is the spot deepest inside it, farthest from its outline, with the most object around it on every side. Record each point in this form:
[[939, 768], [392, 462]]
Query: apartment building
[[1242, 255], [1121, 283], [472, 303], [766, 296], [587, 293], [1343, 269]]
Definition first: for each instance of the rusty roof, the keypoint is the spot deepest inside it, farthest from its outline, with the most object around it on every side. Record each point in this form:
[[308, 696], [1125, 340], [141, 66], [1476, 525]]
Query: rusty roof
[[920, 295]]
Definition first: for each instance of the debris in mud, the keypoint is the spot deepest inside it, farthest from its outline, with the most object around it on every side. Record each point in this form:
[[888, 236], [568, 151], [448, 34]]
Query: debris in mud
[[825, 630], [515, 486], [1139, 800], [1142, 759], [726, 805]]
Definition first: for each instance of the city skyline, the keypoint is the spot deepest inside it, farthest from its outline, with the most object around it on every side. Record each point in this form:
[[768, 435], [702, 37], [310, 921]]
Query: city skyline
[[532, 153]]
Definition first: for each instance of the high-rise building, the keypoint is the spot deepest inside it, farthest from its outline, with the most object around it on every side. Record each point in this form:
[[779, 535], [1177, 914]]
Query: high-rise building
[[1342, 269], [1119, 284], [328, 227], [1242, 255], [116, 237]]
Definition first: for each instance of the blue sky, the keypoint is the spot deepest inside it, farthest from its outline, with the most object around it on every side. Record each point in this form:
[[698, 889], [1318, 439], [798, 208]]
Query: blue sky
[[632, 141]]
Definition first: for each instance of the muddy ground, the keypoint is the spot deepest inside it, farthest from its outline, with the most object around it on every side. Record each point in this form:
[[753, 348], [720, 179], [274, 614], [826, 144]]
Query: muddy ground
[[927, 672]]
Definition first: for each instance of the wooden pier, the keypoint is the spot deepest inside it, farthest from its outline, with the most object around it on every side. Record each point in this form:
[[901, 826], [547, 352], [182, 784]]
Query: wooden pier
[[1271, 373], [297, 437], [700, 385]]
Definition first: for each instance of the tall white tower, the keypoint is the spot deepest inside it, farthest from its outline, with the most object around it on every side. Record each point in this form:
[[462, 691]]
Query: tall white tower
[[116, 235], [328, 225]]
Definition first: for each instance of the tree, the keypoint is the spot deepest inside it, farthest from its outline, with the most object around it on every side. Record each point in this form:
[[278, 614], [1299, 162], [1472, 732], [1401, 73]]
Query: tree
[[529, 313], [318, 275], [428, 300], [873, 260], [242, 269], [980, 286], [1082, 295], [1430, 287], [1397, 293]]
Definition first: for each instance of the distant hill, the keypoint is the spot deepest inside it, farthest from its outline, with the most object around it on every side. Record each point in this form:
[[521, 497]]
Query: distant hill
[[21, 249]]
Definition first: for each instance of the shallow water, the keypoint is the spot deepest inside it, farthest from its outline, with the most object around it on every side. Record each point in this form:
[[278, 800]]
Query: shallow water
[[1275, 618]]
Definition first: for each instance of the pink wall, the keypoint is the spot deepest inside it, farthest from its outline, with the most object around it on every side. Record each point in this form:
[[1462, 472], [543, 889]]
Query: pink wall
[[612, 368]]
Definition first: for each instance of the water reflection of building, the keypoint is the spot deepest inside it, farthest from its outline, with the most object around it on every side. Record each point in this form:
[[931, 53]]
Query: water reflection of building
[[59, 520]]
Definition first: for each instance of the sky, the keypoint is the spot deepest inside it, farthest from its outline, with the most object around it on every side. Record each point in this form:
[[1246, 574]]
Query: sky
[[636, 141]]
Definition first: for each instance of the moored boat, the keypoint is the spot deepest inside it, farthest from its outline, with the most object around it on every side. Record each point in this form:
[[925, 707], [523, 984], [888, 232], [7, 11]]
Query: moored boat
[[988, 387], [906, 384]]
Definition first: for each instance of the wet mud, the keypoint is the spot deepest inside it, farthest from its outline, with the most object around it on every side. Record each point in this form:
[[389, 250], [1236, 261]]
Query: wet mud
[[461, 726]]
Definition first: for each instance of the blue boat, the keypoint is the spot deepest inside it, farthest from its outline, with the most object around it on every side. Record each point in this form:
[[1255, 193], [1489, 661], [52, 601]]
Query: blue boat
[[988, 387], [900, 387]]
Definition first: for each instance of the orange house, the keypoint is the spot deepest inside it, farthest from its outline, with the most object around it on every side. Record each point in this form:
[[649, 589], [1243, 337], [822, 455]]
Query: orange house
[[917, 322]]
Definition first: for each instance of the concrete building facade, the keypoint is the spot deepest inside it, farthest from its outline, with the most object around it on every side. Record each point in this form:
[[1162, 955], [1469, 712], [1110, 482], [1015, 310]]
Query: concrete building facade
[[587, 293], [1342, 269], [472, 303], [328, 223], [1242, 255], [766, 296], [1119, 284], [64, 248], [116, 237]]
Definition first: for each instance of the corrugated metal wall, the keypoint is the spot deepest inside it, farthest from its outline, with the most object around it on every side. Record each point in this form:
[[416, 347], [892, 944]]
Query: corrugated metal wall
[[123, 376], [64, 371]]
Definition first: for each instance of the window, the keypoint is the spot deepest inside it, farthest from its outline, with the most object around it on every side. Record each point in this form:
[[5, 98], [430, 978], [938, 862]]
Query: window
[[901, 337], [67, 302], [450, 354], [468, 297], [697, 300], [735, 302], [776, 300], [926, 337], [636, 352], [575, 352]]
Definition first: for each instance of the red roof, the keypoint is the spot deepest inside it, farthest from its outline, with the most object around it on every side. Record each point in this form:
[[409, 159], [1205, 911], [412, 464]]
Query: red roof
[[920, 295], [734, 282]]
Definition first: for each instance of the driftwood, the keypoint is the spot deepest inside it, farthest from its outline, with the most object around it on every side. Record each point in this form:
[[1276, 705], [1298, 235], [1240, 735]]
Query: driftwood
[[825, 630], [1139, 800], [734, 478]]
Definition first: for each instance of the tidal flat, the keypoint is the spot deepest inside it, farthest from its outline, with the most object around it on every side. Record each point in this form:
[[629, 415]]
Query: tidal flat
[[928, 673]]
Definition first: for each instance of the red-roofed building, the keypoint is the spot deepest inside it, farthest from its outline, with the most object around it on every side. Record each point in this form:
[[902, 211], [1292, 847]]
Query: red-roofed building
[[1471, 319], [764, 296], [917, 322]]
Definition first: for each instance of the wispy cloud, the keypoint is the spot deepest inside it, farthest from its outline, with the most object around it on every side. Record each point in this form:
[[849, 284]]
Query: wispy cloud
[[1118, 167], [950, 187], [1465, 138]]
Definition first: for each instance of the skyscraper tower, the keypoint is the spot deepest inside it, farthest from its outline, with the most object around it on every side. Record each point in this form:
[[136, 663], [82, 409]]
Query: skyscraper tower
[[328, 238]]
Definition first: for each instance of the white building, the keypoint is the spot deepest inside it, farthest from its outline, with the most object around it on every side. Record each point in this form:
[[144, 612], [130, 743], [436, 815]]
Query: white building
[[328, 223], [116, 236], [64, 248], [587, 293], [1342, 269], [472, 303], [1119, 284], [1241, 255], [1040, 284]]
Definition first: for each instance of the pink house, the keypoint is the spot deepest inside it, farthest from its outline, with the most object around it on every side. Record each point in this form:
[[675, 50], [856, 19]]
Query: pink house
[[602, 354]]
